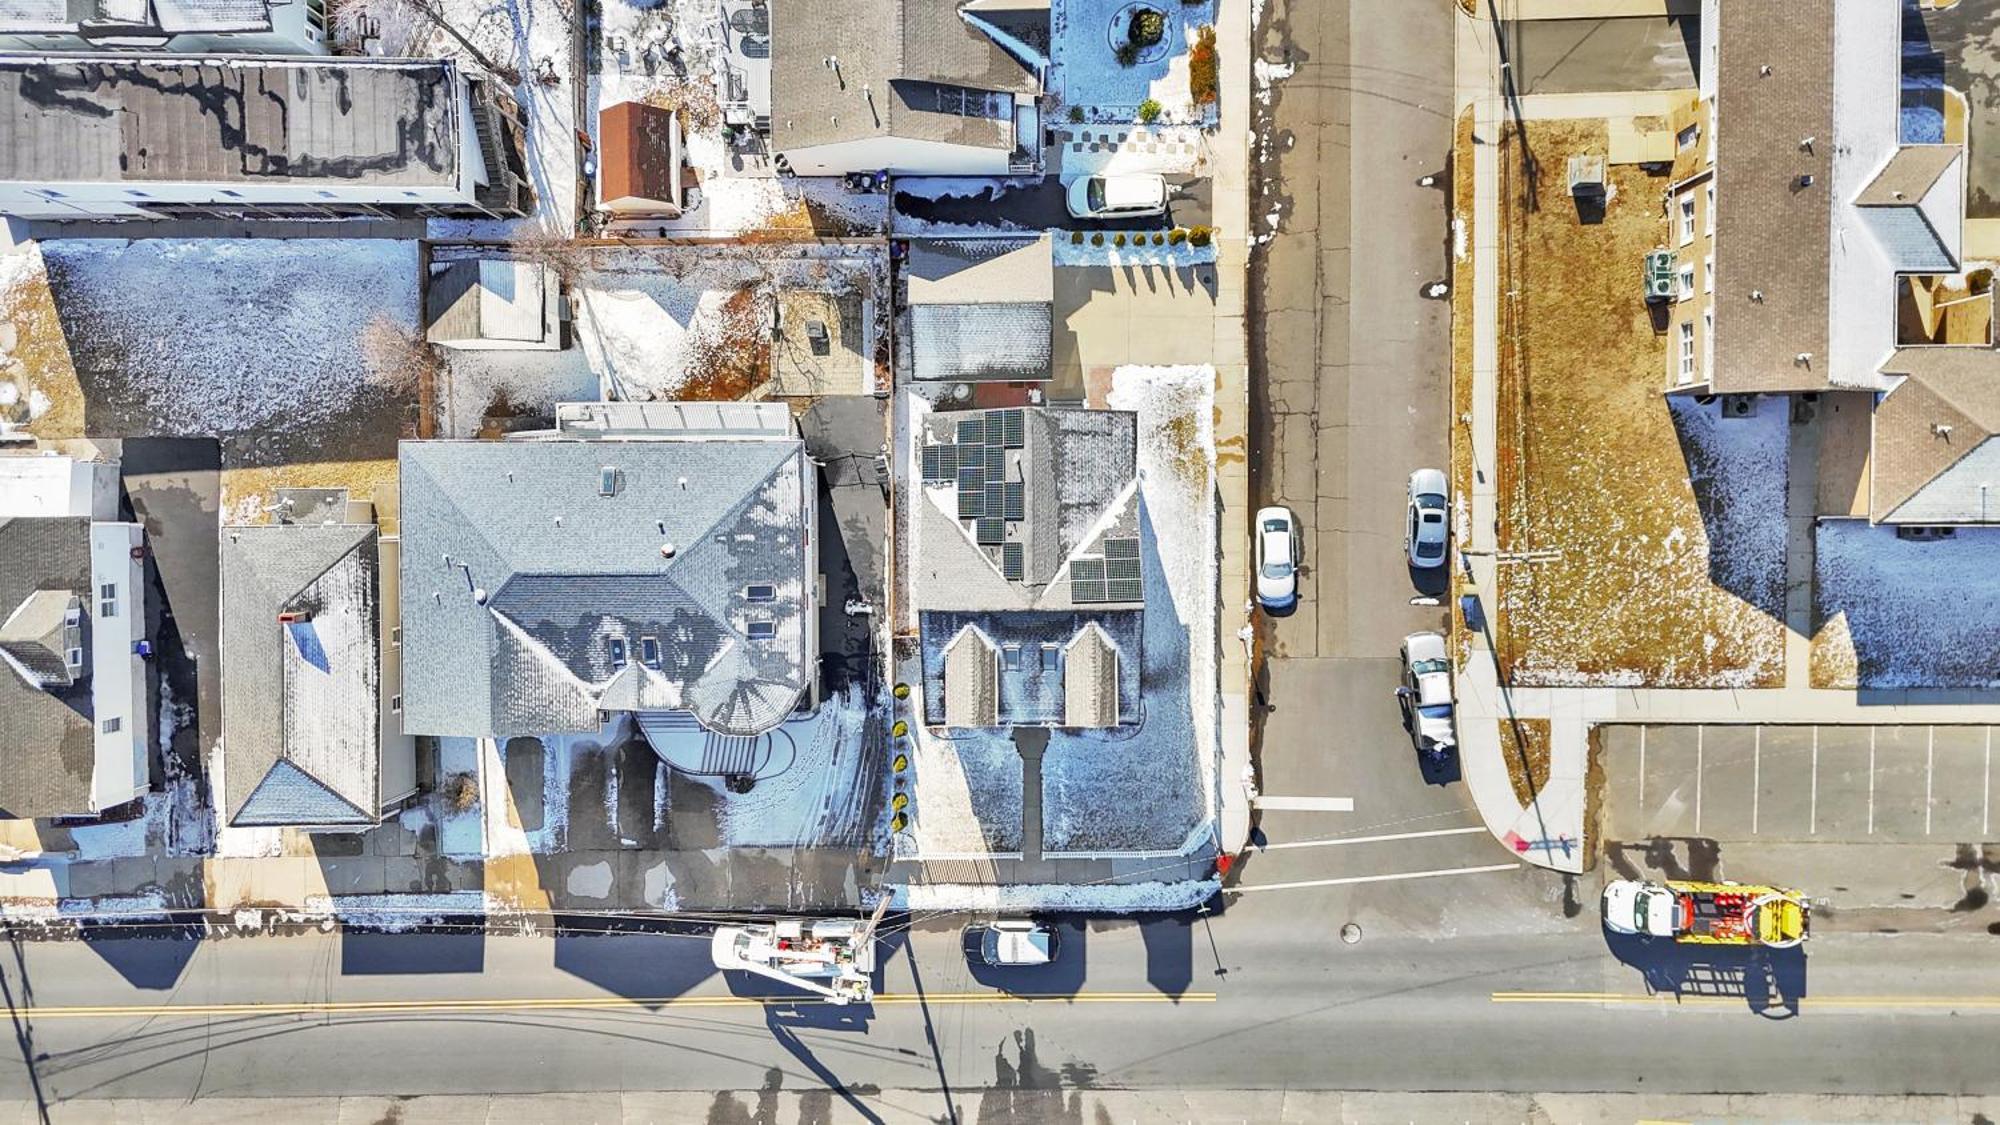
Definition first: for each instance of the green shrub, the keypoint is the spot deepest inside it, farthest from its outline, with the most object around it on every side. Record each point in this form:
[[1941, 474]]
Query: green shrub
[[1075, 237], [1127, 54], [1148, 27], [1118, 239], [1097, 239], [1203, 82], [1177, 235], [1076, 115], [1159, 239], [1149, 111], [1199, 236]]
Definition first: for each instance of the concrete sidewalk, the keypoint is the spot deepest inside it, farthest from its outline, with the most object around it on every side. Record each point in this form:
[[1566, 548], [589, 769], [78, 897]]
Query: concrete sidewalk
[[1581, 9], [1234, 20]]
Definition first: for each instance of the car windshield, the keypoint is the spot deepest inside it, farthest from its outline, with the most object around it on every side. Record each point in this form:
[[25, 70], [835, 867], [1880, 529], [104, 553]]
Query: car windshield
[[1639, 910], [1095, 194], [1430, 550], [1274, 525], [1435, 711], [1426, 667], [1277, 569]]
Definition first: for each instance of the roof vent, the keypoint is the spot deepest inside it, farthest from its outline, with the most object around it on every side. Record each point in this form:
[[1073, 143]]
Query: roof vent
[[1803, 359], [1806, 144], [1765, 70], [479, 595], [608, 480], [1939, 429], [1757, 295], [668, 550], [1805, 179]]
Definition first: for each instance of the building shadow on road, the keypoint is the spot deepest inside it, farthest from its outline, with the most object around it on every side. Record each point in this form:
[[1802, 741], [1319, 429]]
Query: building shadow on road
[[149, 956], [656, 962], [1771, 982], [456, 946]]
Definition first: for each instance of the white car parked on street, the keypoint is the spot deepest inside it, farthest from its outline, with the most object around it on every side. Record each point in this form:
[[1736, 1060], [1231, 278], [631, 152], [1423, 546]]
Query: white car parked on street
[[1425, 695], [1131, 196], [1277, 558], [1424, 535], [1011, 942]]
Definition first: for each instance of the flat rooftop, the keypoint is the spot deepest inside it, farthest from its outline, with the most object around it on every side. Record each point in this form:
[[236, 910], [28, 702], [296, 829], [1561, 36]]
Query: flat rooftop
[[132, 119]]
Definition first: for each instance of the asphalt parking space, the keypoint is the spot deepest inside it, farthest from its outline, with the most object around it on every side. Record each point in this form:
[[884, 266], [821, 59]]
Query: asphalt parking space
[[1794, 784]]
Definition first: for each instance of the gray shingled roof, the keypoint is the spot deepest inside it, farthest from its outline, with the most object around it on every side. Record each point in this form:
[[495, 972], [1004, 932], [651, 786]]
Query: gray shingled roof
[[1047, 668], [140, 120], [301, 729], [988, 342], [900, 63], [566, 572], [47, 737]]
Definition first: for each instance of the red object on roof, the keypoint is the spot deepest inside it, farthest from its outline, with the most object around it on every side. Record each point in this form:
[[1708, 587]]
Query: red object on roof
[[640, 168]]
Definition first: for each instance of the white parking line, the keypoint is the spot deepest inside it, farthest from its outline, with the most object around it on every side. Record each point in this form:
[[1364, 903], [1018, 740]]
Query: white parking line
[[1372, 839], [1756, 775], [1381, 878], [1871, 781], [1930, 766], [1812, 824], [1986, 802], [1306, 804]]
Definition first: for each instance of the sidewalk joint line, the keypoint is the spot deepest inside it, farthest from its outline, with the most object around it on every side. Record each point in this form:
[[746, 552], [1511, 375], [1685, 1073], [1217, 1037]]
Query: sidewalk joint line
[[1400, 875]]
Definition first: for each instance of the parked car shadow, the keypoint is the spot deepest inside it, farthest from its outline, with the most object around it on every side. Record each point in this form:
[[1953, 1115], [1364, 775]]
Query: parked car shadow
[[1063, 976], [149, 956], [1431, 582], [1443, 769], [1771, 982]]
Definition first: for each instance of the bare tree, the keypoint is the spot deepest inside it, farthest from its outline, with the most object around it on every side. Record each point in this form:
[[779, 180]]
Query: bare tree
[[397, 359], [433, 11]]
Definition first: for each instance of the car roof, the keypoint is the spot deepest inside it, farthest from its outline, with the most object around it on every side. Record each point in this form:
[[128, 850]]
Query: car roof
[[1424, 646], [1134, 190], [1427, 481]]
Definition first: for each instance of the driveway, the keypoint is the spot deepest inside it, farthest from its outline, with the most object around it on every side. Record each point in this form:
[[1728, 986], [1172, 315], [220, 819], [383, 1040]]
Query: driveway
[[173, 487], [1037, 204]]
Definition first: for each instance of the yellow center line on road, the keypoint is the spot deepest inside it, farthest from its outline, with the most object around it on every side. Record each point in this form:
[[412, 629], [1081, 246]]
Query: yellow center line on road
[[575, 1003], [1669, 1000]]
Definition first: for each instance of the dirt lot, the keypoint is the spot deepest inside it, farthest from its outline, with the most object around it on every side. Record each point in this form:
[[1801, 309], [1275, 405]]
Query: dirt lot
[[1641, 542], [34, 353], [1526, 745]]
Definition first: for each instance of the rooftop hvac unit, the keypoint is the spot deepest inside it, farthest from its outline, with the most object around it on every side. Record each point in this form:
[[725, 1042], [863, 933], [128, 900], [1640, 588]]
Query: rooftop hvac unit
[[1660, 282], [1586, 176]]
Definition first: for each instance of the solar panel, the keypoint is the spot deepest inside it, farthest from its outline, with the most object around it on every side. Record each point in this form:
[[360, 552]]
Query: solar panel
[[947, 460], [996, 498], [1115, 569], [933, 463], [1084, 593], [1010, 428], [996, 462], [1086, 570], [1124, 590], [972, 480], [1121, 548], [1015, 500], [991, 532], [971, 505], [1010, 561], [972, 429]]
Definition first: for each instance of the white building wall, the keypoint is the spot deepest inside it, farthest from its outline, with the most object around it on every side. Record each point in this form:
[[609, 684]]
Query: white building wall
[[1861, 293], [899, 155], [117, 674], [1711, 18]]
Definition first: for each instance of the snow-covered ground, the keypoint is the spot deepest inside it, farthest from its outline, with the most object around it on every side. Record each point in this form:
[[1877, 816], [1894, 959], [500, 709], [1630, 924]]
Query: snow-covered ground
[[209, 336], [1099, 898], [1140, 250], [1908, 613], [967, 795], [461, 831], [1086, 73], [399, 912], [649, 321]]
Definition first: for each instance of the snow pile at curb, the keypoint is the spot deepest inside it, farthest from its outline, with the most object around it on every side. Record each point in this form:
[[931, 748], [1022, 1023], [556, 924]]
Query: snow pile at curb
[[398, 913], [1097, 898]]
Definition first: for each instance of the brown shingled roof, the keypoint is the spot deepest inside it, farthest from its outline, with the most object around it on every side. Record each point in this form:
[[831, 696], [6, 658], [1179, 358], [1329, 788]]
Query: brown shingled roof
[[638, 164], [1772, 230], [1947, 407], [1908, 176]]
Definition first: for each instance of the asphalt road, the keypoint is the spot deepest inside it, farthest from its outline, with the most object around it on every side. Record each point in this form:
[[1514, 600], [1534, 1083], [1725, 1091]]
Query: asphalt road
[[1431, 1007], [1038, 204]]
